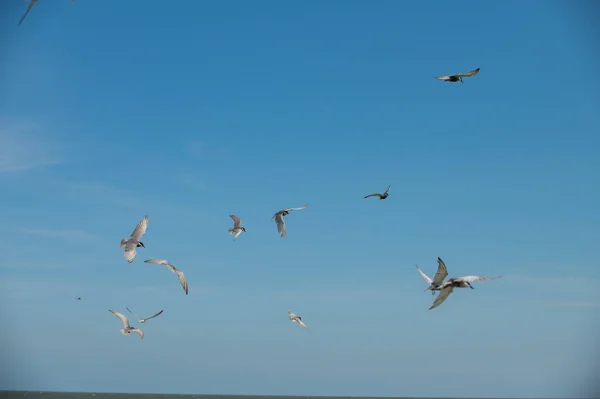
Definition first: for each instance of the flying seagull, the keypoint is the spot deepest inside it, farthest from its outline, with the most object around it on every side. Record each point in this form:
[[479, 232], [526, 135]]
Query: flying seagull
[[381, 196], [78, 298], [142, 320], [279, 219], [172, 268], [237, 229], [439, 277], [31, 4], [458, 76], [296, 319], [130, 245], [127, 329]]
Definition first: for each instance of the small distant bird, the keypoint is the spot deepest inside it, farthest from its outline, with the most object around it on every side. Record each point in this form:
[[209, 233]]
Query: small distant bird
[[381, 196], [237, 229], [130, 245], [458, 76], [78, 298], [172, 268], [296, 319], [142, 320], [439, 277], [31, 4], [279, 219], [127, 329]]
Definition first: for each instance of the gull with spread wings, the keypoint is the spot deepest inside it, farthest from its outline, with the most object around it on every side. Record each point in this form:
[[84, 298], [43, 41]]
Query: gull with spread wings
[[142, 320], [439, 277], [296, 319], [458, 77], [172, 268], [130, 245], [381, 196], [127, 329], [237, 228], [279, 219]]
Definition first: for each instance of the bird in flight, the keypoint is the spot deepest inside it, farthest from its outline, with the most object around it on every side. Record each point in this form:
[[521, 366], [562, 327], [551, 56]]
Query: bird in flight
[[458, 76], [172, 268], [439, 277], [142, 320], [127, 329], [279, 219], [130, 245], [296, 319], [237, 229], [31, 4], [78, 298], [381, 196]]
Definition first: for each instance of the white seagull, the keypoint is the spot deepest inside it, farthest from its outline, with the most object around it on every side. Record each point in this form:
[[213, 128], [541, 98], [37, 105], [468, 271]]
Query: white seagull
[[296, 319], [130, 245], [279, 219], [237, 229], [439, 277], [127, 329], [381, 196], [142, 320], [172, 268], [458, 77]]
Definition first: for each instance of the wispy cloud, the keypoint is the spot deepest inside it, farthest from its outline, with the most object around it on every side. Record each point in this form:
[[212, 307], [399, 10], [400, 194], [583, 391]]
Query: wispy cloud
[[65, 234], [21, 150]]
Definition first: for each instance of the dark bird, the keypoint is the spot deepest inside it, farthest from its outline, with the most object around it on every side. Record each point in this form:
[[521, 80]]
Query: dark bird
[[381, 196], [458, 76]]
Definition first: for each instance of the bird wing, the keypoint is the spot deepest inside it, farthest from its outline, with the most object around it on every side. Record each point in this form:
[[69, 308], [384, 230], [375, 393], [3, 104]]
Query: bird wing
[[295, 209], [388, 189], [472, 73], [122, 317], [301, 323], [444, 293], [139, 332], [130, 251], [471, 279], [441, 273], [31, 4], [181, 277], [236, 221], [280, 224], [237, 233], [130, 311], [158, 314], [446, 77], [426, 277], [140, 229], [374, 195], [157, 261]]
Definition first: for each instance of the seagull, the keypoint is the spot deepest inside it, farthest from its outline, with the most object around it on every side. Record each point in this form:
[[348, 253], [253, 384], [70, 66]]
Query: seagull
[[236, 230], [296, 319], [172, 268], [279, 219], [130, 245], [141, 320], [31, 4], [381, 196], [458, 76], [127, 328], [439, 277], [78, 298]]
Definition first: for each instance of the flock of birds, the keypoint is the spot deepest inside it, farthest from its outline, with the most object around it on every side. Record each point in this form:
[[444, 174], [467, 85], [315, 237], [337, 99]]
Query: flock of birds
[[130, 245]]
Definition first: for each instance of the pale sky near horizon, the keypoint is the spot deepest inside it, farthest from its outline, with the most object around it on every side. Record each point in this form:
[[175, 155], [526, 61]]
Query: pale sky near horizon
[[190, 111]]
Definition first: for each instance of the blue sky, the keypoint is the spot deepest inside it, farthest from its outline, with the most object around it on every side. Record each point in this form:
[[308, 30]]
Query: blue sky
[[192, 111]]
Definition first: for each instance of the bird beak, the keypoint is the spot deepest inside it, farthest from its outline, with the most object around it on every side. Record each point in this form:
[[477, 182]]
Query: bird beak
[[142, 244]]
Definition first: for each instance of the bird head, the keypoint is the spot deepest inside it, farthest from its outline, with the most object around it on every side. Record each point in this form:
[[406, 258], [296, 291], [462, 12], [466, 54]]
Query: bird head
[[141, 244], [142, 321], [470, 286], [244, 229], [460, 78]]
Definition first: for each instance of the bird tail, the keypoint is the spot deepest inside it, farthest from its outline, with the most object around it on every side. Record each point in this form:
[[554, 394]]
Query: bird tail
[[230, 230]]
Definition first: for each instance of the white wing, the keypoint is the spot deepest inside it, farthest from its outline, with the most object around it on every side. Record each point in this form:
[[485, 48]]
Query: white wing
[[139, 332], [472, 73], [237, 234], [295, 209], [182, 279], [122, 317], [158, 262], [444, 293], [280, 224], [130, 311], [426, 277], [130, 251], [236, 221], [140, 229], [471, 279], [442, 272], [301, 323], [442, 77], [151, 317]]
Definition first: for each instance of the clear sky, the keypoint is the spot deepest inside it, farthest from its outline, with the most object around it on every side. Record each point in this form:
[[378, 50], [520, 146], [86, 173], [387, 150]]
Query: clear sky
[[190, 111]]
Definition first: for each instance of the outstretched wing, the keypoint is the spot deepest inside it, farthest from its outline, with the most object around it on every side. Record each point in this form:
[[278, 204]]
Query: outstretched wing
[[140, 229], [300, 322], [471, 279], [130, 251], [139, 318], [181, 278], [237, 233], [472, 73], [236, 221], [441, 273], [296, 209], [444, 293], [280, 224], [122, 317], [374, 195], [158, 314], [139, 332], [31, 4], [388, 189], [426, 277], [446, 77], [157, 262]]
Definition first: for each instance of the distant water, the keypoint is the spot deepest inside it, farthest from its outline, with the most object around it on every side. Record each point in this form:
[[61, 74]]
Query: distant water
[[89, 395]]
